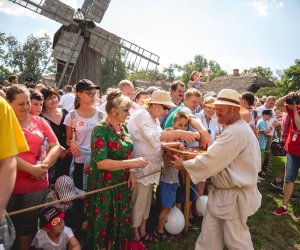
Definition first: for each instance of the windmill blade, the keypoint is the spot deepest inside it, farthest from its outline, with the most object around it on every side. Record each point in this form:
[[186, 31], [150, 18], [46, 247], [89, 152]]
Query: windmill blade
[[94, 9], [68, 47], [138, 58], [53, 9], [104, 42], [135, 57]]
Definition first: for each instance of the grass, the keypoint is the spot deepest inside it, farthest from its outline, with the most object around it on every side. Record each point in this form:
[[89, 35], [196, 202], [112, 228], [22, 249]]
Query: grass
[[267, 230]]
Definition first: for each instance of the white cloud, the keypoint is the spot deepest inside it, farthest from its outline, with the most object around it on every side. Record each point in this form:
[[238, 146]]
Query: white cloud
[[263, 7]]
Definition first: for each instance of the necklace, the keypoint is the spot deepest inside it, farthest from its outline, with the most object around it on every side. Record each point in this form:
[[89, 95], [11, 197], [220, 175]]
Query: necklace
[[119, 134]]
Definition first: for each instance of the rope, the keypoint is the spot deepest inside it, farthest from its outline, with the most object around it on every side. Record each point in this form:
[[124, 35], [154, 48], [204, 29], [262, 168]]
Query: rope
[[75, 196]]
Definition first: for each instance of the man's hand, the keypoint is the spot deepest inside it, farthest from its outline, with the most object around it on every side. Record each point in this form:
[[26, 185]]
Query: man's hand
[[177, 163], [205, 139]]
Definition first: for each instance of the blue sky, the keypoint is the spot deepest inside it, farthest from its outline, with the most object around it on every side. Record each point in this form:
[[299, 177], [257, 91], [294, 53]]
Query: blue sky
[[235, 33]]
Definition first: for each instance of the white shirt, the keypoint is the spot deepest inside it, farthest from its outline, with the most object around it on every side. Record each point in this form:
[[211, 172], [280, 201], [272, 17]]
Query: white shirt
[[83, 129], [211, 126], [145, 134], [67, 101], [259, 111], [42, 240]]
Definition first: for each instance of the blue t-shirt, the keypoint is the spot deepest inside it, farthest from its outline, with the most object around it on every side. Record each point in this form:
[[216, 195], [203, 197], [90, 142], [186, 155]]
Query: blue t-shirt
[[262, 126]]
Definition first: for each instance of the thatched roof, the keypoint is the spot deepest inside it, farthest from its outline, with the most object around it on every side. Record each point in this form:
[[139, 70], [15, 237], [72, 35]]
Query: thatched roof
[[251, 82]]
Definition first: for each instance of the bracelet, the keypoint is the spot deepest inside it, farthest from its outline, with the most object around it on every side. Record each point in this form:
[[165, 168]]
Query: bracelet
[[132, 170]]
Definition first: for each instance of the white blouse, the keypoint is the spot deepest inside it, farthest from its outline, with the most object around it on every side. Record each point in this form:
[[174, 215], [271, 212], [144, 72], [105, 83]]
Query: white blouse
[[145, 134]]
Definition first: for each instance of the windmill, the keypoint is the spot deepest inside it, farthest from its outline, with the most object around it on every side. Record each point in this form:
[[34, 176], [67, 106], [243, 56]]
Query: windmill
[[79, 44]]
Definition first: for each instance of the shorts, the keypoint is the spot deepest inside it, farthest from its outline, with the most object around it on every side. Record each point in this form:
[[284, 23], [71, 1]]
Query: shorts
[[291, 167], [166, 193], [180, 194], [26, 223]]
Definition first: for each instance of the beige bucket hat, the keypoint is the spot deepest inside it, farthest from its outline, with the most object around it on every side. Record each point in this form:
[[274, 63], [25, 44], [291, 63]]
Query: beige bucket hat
[[161, 97], [228, 97], [209, 102]]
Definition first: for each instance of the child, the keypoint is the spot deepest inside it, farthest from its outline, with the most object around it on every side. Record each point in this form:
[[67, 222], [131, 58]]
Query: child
[[263, 130], [169, 181], [36, 99], [64, 188], [54, 235]]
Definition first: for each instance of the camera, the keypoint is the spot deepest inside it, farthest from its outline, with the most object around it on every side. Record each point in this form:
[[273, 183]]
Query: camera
[[294, 100]]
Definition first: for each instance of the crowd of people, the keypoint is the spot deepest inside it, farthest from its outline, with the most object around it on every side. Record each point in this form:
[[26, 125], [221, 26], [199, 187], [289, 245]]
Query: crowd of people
[[56, 145]]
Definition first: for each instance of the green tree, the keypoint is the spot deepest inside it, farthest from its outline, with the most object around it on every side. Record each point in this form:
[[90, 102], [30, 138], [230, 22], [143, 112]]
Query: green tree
[[30, 58], [266, 72], [112, 71], [291, 77], [199, 63]]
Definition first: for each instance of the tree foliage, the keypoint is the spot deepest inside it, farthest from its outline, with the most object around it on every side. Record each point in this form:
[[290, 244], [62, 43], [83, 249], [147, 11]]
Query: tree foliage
[[28, 59], [113, 71], [266, 72], [199, 63]]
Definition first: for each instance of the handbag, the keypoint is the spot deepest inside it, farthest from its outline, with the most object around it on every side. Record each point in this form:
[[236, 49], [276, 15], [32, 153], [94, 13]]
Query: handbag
[[277, 146]]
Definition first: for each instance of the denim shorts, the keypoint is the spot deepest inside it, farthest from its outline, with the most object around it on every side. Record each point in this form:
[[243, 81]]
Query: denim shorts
[[291, 167], [167, 194], [26, 223], [180, 194]]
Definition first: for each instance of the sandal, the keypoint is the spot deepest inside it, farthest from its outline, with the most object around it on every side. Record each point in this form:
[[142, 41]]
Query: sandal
[[160, 236], [149, 238]]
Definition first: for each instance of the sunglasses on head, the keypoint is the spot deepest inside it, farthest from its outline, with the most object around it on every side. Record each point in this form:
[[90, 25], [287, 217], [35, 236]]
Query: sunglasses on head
[[165, 107]]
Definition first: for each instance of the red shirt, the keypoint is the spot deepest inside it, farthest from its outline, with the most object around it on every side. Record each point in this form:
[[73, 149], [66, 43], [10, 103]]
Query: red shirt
[[292, 145], [34, 135]]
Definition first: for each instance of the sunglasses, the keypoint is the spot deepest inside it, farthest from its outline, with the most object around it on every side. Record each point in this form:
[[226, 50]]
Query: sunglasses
[[125, 110], [165, 107]]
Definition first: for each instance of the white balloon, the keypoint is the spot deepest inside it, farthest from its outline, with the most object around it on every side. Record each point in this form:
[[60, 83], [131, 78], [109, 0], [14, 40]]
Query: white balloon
[[175, 221], [201, 204]]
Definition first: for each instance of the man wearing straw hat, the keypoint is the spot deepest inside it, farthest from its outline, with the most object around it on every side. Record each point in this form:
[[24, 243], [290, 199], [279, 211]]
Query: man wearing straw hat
[[233, 163]]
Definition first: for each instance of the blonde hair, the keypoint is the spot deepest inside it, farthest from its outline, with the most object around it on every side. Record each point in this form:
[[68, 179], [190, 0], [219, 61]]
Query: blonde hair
[[115, 99]]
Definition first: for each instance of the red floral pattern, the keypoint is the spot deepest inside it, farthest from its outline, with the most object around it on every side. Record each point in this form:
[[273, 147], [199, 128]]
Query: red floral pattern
[[108, 212]]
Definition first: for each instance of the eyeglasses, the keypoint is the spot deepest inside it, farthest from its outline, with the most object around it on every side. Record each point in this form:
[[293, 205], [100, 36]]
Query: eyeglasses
[[165, 107], [125, 110], [90, 93]]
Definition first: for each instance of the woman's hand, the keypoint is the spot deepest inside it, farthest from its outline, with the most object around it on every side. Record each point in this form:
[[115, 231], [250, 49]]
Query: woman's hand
[[138, 163], [39, 171], [84, 225], [63, 153], [187, 136], [75, 149], [131, 181]]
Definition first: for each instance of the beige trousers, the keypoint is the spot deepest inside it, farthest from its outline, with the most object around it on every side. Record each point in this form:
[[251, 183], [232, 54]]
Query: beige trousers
[[141, 200], [217, 233]]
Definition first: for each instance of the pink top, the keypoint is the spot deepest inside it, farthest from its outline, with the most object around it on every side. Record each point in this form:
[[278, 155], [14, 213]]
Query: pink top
[[292, 144], [34, 135]]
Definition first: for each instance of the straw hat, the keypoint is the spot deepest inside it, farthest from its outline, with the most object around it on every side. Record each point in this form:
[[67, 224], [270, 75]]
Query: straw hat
[[209, 102], [161, 97], [228, 97]]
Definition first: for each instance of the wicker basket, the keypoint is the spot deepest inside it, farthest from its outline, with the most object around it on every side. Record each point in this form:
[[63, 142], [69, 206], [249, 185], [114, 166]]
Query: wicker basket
[[189, 153]]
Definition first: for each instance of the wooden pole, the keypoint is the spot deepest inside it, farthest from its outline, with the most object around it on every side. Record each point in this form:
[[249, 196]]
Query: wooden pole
[[187, 202]]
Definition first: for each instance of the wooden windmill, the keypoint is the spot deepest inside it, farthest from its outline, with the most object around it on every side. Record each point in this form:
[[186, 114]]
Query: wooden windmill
[[79, 44]]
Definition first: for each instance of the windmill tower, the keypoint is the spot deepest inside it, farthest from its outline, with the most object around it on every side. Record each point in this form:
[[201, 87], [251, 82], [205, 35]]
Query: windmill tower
[[79, 44]]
